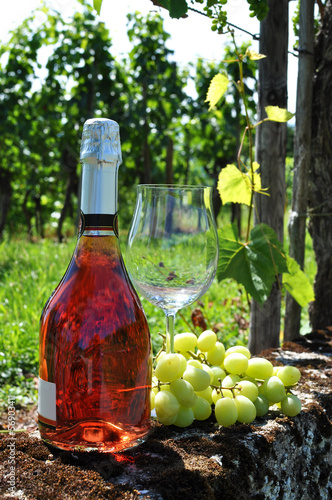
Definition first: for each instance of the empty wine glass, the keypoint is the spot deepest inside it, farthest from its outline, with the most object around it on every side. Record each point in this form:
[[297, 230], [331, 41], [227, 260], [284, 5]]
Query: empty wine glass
[[172, 247]]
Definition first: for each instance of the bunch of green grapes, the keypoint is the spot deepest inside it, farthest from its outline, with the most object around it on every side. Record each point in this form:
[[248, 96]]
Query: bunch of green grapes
[[201, 377]]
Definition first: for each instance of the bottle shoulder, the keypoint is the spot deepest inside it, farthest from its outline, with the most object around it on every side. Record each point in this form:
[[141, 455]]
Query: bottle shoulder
[[95, 276]]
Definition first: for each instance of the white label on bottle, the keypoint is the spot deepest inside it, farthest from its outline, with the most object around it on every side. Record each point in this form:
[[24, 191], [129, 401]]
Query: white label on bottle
[[47, 403]]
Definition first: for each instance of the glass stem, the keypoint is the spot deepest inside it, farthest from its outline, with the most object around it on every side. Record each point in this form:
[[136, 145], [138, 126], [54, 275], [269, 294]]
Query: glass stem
[[170, 322]]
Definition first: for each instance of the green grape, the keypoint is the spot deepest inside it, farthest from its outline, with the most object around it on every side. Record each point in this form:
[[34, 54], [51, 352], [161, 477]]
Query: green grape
[[229, 381], [218, 373], [208, 369], [195, 362], [164, 387], [216, 394], [206, 341], [247, 389], [206, 394], [183, 391], [274, 389], [160, 355], [167, 368], [198, 378], [260, 389], [226, 412], [216, 355], [185, 354], [152, 399], [202, 409], [246, 409], [240, 349], [155, 390], [236, 363], [251, 379], [291, 405], [185, 341], [183, 365], [167, 407], [259, 368], [262, 405], [289, 375], [185, 417]]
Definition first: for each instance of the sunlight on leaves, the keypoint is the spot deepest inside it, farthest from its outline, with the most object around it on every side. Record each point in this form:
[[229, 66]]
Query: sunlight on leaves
[[297, 283], [276, 114], [254, 56], [217, 88], [235, 187]]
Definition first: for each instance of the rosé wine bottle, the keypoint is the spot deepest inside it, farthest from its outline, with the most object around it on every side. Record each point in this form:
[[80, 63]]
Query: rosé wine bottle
[[95, 350]]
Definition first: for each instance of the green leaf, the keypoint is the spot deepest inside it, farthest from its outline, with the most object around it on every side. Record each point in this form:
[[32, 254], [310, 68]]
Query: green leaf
[[217, 88], [276, 114], [254, 56], [297, 284], [97, 5], [235, 187], [254, 264], [176, 8]]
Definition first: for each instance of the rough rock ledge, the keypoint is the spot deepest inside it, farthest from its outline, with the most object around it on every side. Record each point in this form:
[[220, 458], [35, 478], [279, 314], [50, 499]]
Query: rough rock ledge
[[274, 458]]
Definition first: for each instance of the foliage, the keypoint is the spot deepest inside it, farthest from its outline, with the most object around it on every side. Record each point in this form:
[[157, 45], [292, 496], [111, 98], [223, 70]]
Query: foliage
[[157, 99], [258, 261], [166, 134], [42, 117], [28, 273], [214, 9]]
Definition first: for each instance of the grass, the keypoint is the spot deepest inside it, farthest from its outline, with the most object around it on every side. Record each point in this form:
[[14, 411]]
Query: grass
[[29, 271], [28, 274]]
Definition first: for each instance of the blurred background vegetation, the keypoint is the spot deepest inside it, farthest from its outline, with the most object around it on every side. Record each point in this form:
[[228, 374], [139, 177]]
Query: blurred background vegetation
[[167, 134]]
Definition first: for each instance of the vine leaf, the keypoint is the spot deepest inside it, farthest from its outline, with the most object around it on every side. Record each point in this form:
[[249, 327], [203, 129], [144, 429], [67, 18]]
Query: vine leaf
[[217, 88], [276, 114], [297, 284], [176, 8], [256, 264], [97, 5], [254, 56], [235, 186]]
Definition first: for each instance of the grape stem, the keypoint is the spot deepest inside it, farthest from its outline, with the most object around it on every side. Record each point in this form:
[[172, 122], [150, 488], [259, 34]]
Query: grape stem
[[220, 387], [199, 357]]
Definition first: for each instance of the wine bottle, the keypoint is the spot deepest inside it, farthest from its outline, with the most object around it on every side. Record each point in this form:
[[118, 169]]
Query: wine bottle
[[95, 350]]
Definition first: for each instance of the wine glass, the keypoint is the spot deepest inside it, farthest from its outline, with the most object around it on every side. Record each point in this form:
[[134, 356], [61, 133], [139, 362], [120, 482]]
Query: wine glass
[[172, 247]]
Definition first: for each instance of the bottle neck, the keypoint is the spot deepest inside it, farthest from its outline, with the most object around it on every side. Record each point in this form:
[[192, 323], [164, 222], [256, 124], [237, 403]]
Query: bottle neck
[[99, 196]]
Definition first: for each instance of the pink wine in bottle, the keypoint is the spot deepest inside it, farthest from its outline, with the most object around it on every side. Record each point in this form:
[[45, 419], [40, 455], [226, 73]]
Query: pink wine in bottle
[[95, 350]]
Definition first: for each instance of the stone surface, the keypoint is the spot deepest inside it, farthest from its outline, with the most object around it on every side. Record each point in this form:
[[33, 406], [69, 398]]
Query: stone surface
[[274, 458]]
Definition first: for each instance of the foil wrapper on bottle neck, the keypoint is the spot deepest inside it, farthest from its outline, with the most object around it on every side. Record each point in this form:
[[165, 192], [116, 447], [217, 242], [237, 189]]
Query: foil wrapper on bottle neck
[[101, 141], [101, 157]]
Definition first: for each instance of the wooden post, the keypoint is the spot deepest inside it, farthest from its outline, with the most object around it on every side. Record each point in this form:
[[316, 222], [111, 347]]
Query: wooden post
[[270, 154], [302, 157]]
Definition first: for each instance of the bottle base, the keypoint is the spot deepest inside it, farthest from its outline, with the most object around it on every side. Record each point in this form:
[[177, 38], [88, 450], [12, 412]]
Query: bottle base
[[94, 436]]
